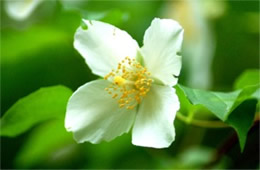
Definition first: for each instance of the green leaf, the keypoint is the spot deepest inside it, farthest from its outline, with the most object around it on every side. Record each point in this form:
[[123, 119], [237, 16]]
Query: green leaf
[[47, 143], [184, 102], [235, 108], [242, 119], [12, 39], [115, 17], [247, 78], [44, 104]]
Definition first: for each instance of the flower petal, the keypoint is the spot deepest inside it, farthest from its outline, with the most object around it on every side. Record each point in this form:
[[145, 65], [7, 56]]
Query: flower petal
[[93, 115], [154, 121], [20, 9], [103, 46], [162, 41]]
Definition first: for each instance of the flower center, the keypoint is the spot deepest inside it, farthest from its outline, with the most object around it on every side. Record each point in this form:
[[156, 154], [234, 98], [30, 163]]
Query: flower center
[[131, 83]]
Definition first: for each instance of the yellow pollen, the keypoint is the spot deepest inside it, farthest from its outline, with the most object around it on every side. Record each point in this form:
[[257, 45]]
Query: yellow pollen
[[131, 83], [115, 95], [118, 80]]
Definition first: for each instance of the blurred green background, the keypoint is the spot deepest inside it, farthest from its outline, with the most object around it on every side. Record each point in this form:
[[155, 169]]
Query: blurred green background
[[221, 41]]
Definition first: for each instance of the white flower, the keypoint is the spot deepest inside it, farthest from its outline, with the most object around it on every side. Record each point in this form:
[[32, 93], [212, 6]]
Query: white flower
[[20, 9], [137, 86]]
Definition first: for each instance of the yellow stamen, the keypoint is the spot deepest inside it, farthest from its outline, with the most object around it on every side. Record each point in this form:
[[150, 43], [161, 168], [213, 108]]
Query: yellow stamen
[[131, 83], [118, 80]]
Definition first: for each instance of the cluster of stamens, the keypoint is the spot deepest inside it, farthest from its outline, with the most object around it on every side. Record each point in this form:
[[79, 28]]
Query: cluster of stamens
[[131, 83]]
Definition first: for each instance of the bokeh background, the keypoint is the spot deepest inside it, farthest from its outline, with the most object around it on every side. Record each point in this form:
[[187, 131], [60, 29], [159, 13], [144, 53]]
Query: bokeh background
[[221, 41]]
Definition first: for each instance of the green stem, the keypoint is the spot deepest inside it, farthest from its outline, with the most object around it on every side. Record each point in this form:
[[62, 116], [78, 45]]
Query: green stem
[[201, 123], [190, 116]]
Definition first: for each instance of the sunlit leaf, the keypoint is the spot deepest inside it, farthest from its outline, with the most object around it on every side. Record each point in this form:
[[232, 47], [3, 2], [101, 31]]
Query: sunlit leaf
[[44, 104], [37, 37], [249, 77], [236, 108]]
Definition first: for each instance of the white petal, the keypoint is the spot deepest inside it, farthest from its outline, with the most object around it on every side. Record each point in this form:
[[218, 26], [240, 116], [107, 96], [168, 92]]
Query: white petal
[[93, 115], [162, 41], [103, 46], [20, 9], [154, 121]]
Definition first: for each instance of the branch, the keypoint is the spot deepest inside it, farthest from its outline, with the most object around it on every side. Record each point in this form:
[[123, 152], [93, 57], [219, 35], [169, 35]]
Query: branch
[[201, 123]]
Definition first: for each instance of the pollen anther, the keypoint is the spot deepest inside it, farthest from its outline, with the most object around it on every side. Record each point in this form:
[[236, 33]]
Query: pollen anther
[[131, 83]]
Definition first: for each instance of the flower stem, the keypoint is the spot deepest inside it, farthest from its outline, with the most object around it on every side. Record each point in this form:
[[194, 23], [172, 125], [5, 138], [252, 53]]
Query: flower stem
[[201, 123]]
